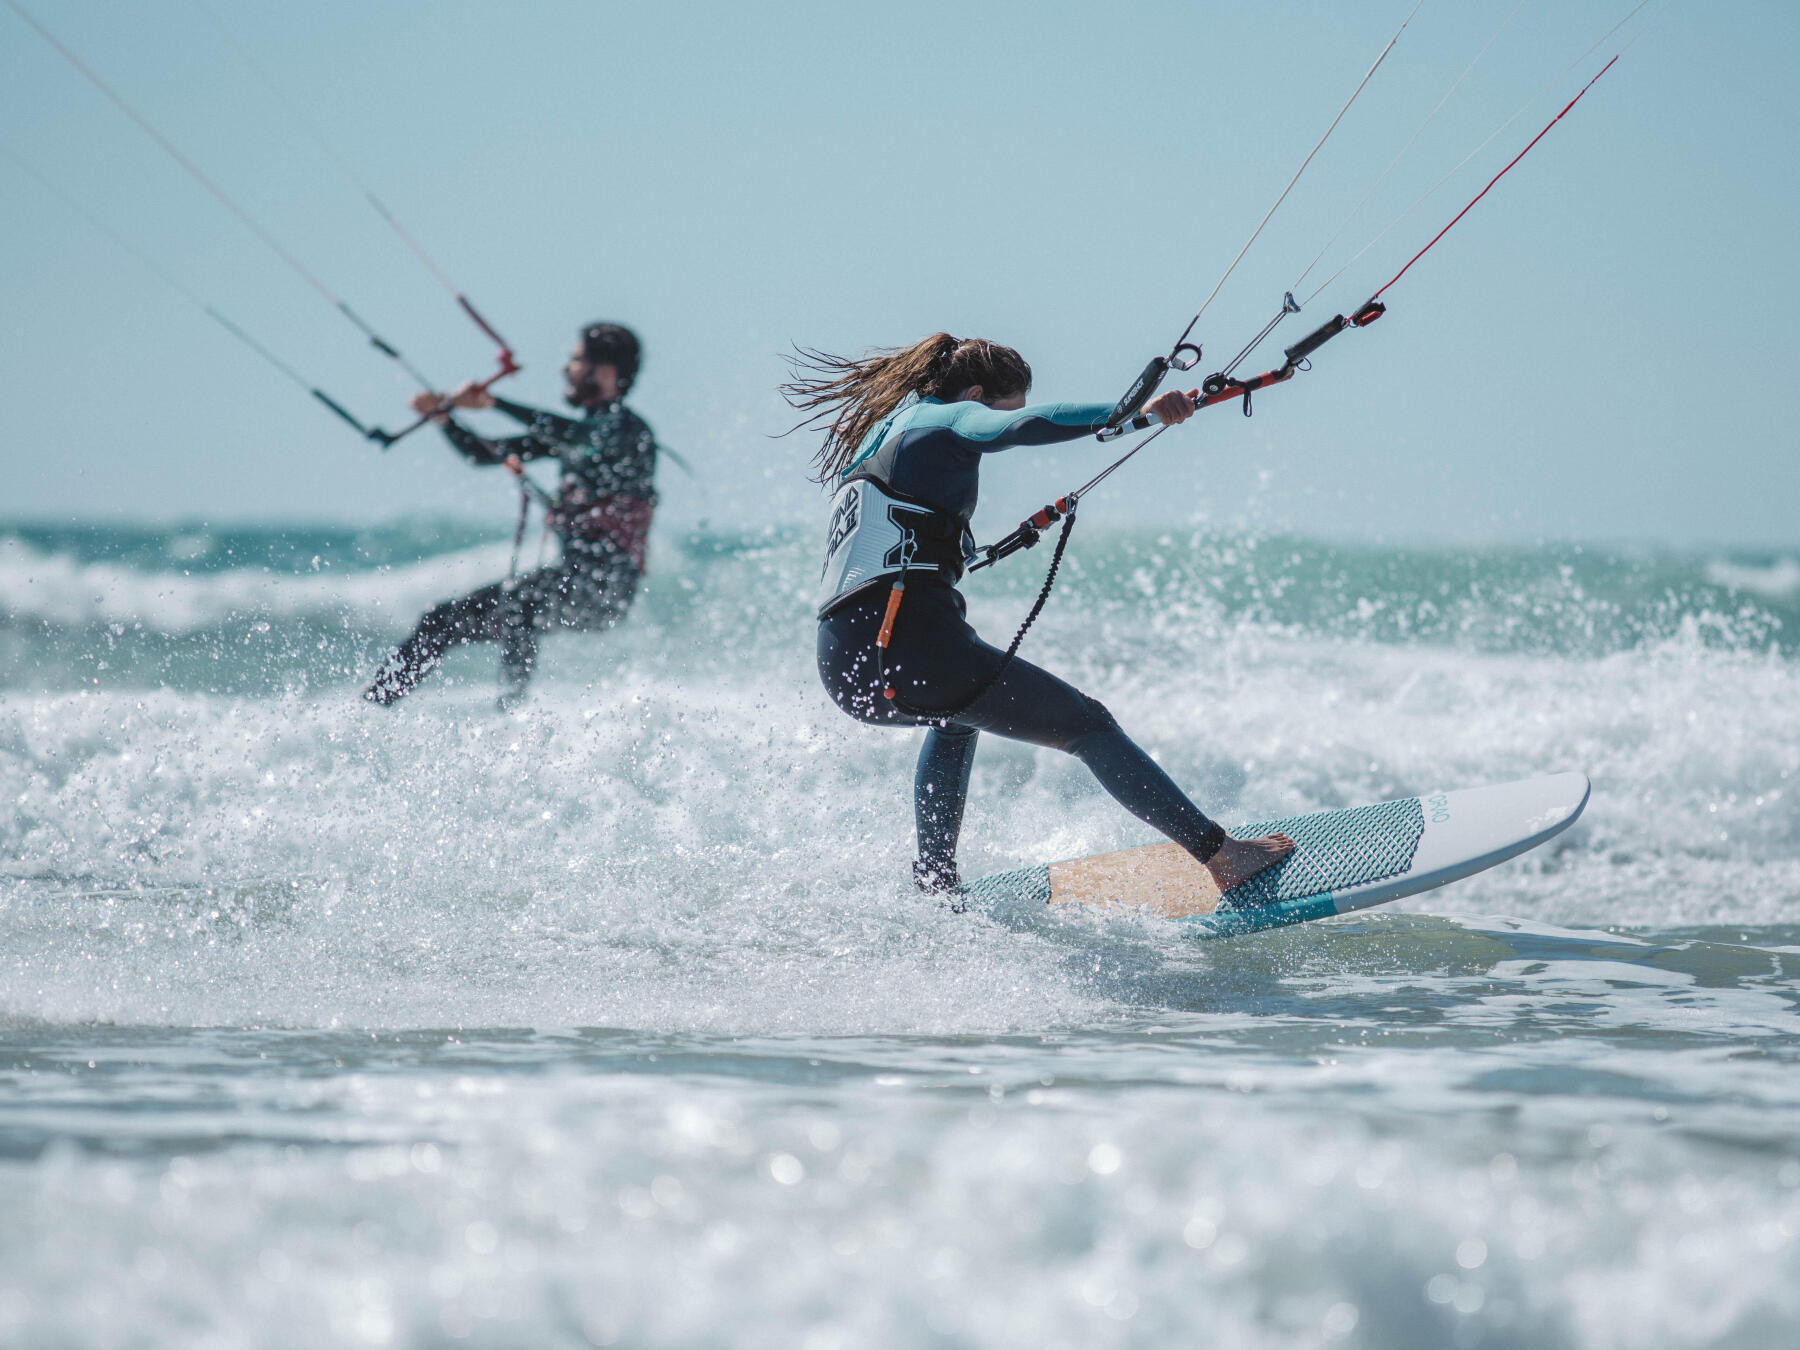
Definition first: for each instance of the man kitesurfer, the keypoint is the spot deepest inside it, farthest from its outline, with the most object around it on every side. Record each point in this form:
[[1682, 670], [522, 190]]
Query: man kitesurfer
[[600, 513], [905, 432]]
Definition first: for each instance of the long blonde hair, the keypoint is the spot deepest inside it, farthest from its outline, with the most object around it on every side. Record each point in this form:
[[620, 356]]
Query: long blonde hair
[[850, 395]]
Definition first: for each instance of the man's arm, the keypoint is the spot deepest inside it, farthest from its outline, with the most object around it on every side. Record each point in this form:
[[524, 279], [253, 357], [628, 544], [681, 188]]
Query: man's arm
[[482, 450], [540, 421]]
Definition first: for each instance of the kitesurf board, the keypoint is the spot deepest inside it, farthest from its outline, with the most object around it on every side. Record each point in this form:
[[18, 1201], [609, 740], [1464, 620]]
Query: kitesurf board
[[1346, 859]]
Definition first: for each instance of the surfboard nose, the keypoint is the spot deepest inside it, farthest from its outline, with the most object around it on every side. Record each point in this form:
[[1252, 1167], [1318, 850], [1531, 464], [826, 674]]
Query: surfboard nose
[[1565, 796]]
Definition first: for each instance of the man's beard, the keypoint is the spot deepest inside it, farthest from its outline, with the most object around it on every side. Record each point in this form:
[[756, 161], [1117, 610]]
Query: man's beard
[[581, 393]]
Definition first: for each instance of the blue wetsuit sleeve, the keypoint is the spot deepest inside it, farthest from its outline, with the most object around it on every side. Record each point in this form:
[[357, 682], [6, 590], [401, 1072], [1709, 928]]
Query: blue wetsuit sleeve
[[988, 429]]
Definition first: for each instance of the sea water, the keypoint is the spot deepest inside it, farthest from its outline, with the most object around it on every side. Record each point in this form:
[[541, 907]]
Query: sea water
[[614, 1021]]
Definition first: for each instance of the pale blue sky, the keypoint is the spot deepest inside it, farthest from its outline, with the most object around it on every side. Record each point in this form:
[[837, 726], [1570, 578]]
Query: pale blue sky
[[1601, 350]]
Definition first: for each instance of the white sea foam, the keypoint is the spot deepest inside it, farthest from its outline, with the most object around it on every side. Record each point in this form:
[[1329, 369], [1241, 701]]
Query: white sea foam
[[808, 1107], [1779, 580], [1106, 1189], [56, 588], [674, 848]]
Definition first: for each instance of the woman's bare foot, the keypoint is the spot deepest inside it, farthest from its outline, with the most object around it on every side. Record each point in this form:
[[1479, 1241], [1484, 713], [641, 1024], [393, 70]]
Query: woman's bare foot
[[1240, 859]]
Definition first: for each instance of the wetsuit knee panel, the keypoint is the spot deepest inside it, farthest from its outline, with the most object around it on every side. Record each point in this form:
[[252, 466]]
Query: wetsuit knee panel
[[1094, 719]]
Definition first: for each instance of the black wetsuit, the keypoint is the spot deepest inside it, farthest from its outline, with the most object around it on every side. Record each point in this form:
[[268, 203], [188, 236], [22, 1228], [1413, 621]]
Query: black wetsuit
[[601, 514], [931, 453]]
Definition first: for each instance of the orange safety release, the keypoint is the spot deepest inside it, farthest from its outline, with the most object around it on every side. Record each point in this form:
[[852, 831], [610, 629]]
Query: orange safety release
[[886, 634]]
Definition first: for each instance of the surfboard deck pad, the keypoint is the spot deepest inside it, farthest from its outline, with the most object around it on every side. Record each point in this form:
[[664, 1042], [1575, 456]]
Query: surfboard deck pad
[[1346, 859]]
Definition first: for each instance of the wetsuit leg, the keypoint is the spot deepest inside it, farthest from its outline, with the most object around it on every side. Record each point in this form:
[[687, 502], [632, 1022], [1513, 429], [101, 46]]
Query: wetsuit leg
[[1137, 783], [518, 647], [1030, 704], [476, 617], [940, 791], [580, 593], [587, 592], [937, 659]]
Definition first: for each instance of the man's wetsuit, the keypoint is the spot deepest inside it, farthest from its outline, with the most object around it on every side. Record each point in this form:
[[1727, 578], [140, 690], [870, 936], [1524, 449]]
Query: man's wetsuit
[[928, 456], [602, 516]]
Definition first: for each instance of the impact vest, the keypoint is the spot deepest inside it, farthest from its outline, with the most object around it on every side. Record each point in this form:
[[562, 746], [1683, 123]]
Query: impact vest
[[875, 534], [610, 518]]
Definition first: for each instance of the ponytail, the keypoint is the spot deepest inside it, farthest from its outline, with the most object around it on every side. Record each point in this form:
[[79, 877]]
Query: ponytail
[[851, 395]]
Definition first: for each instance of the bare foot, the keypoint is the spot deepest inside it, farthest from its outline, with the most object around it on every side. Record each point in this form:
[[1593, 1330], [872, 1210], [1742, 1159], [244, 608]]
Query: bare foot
[[1240, 859]]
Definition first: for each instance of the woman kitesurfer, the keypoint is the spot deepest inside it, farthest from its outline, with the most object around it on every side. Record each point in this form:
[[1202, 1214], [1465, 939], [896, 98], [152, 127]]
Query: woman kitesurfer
[[905, 430]]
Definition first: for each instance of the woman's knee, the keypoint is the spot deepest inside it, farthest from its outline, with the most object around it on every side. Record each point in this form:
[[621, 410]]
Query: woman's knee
[[1092, 718]]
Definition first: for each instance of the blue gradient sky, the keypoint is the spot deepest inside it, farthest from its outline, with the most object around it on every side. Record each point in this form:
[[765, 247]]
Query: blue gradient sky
[[1601, 350]]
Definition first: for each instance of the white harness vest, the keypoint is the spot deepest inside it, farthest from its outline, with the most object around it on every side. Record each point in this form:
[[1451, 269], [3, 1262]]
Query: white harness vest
[[874, 535]]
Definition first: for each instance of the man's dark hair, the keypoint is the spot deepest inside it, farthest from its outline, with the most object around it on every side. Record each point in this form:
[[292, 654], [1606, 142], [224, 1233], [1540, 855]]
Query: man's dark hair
[[613, 344]]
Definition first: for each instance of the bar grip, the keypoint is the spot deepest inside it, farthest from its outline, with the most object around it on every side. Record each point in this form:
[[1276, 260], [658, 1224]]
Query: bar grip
[[1140, 392], [1142, 422], [1316, 339], [372, 433]]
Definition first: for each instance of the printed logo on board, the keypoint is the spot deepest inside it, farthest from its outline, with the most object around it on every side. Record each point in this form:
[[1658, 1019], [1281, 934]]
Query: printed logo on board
[[1437, 808]]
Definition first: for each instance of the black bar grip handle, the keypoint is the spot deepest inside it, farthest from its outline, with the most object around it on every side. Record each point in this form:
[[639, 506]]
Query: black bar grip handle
[[387, 438], [1316, 339], [339, 409], [1140, 392]]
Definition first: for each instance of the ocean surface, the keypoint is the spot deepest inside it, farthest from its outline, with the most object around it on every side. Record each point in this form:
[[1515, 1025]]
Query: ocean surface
[[614, 1021]]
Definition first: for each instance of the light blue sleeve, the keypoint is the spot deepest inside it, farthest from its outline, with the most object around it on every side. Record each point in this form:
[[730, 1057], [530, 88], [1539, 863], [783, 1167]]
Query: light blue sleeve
[[988, 429]]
